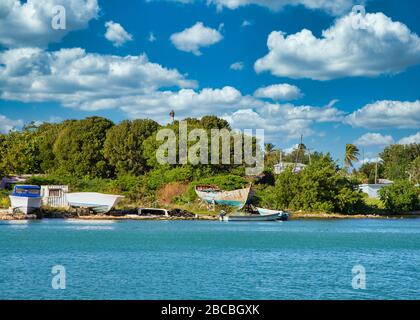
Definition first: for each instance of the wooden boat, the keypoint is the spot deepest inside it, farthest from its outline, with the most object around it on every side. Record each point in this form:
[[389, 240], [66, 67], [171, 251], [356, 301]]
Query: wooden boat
[[282, 215], [26, 198], [213, 195], [248, 217], [96, 202]]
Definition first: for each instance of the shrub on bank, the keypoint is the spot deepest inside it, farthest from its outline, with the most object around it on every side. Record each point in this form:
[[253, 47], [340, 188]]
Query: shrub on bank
[[402, 196], [4, 199]]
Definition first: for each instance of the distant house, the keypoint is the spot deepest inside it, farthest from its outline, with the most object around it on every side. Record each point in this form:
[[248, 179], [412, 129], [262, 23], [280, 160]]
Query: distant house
[[7, 181], [371, 189], [281, 167], [54, 196]]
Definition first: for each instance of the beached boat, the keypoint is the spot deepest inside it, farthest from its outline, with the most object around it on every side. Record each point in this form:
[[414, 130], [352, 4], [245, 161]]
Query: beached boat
[[282, 215], [96, 202], [213, 195], [26, 198], [249, 217]]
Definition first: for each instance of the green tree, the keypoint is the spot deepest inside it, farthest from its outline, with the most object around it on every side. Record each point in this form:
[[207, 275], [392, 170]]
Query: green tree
[[351, 154], [280, 196], [367, 170], [21, 153], [45, 137], [79, 148], [3, 153], [123, 146], [402, 196], [414, 170], [268, 148], [207, 123], [213, 122], [397, 160]]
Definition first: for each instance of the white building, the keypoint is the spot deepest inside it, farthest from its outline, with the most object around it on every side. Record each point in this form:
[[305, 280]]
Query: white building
[[372, 189], [54, 196], [297, 167]]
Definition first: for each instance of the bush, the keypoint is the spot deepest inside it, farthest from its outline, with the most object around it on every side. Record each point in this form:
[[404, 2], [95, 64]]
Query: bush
[[402, 196], [4, 199]]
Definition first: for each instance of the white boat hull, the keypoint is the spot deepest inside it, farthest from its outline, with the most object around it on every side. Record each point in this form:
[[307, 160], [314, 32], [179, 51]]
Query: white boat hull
[[25, 205], [282, 215], [251, 217], [96, 202], [236, 198]]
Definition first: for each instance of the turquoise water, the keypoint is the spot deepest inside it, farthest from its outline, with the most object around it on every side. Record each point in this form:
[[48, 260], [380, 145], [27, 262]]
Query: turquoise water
[[210, 260]]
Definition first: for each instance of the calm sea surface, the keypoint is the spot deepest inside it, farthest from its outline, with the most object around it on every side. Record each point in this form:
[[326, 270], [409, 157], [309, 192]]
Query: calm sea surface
[[210, 260]]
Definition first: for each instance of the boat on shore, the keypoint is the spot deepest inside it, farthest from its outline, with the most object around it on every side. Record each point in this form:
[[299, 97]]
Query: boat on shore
[[248, 217], [282, 215], [96, 202], [213, 195], [26, 198]]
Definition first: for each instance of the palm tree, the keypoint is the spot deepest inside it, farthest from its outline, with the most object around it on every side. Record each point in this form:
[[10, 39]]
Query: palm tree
[[352, 153], [269, 147]]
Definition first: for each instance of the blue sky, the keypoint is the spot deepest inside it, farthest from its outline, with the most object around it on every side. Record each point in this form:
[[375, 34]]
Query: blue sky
[[348, 84]]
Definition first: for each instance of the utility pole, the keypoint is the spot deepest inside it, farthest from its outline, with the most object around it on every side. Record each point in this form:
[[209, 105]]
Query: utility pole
[[172, 115], [376, 172], [300, 147]]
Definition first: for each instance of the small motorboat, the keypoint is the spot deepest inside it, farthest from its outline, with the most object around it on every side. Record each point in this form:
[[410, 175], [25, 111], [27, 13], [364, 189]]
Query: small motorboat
[[26, 198], [96, 202], [282, 215], [248, 217]]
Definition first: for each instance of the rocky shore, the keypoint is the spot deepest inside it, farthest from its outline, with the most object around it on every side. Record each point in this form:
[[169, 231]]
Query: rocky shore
[[4, 215]]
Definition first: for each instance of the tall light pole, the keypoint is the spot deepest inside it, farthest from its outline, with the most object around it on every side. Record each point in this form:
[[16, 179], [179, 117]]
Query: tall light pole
[[172, 115]]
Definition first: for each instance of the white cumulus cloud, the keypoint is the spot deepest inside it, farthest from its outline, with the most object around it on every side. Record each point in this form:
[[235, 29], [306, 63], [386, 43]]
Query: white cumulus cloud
[[284, 121], [7, 124], [78, 79], [196, 37], [382, 47], [116, 34], [387, 114], [415, 138], [237, 66], [28, 23], [282, 91], [334, 7], [374, 139]]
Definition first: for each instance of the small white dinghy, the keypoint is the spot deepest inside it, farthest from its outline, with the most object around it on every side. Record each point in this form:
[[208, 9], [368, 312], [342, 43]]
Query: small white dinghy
[[248, 217], [25, 198], [96, 202], [282, 215]]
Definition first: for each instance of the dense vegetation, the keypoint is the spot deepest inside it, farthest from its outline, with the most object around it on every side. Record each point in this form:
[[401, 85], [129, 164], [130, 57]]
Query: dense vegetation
[[95, 154], [320, 187]]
